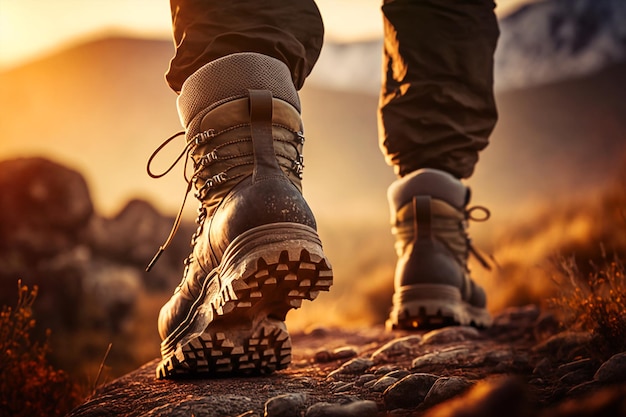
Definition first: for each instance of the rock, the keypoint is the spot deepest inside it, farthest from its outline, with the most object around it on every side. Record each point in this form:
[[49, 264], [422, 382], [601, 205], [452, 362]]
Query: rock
[[408, 392], [450, 334], [583, 389], [543, 367], [383, 383], [344, 387], [577, 372], [398, 373], [324, 355], [286, 405], [575, 377], [363, 379], [200, 407], [385, 369], [45, 207], [613, 370], [445, 388], [492, 398], [369, 384], [353, 409], [587, 364], [449, 356], [352, 367], [133, 235], [397, 347], [116, 289], [345, 352], [564, 346]]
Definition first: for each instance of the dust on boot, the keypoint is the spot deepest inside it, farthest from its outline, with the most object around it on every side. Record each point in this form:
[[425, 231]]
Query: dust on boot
[[256, 253], [433, 287]]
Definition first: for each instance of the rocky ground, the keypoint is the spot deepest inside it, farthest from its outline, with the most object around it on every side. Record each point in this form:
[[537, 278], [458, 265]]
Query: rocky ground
[[525, 365]]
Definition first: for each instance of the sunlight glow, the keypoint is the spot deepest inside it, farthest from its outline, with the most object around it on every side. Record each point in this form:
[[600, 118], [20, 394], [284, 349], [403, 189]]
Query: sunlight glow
[[29, 28]]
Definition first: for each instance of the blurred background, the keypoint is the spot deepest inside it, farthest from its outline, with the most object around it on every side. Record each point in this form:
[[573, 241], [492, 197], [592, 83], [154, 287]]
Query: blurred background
[[84, 103]]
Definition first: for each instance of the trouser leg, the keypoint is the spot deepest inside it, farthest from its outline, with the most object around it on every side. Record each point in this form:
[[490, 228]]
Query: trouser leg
[[205, 30], [436, 107]]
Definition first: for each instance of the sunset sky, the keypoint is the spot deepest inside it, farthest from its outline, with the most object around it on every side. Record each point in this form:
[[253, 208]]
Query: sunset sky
[[32, 27]]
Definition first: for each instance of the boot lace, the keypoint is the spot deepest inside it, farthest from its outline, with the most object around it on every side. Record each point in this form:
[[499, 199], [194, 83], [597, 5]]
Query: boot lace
[[204, 161], [480, 255], [199, 139]]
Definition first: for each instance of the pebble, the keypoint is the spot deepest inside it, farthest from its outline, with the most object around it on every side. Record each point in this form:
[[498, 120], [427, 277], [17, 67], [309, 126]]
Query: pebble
[[583, 389], [344, 388], [587, 364], [450, 334], [543, 367], [286, 405], [397, 347], [575, 377], [446, 388], [563, 346], [337, 385], [346, 352], [353, 366], [370, 384], [383, 383], [613, 370], [354, 409], [385, 369], [398, 373], [444, 357], [408, 392], [363, 379], [322, 356]]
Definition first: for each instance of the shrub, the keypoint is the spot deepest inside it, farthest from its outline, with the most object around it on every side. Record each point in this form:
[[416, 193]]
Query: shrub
[[29, 385], [594, 302]]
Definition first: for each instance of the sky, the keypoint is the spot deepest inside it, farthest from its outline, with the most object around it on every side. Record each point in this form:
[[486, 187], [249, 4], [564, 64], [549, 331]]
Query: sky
[[29, 28]]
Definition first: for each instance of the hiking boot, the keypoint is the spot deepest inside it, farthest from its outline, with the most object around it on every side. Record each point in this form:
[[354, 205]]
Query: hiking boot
[[256, 253], [432, 282]]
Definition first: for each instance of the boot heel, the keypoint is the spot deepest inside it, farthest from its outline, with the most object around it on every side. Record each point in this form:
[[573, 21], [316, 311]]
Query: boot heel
[[431, 306], [264, 273], [270, 269]]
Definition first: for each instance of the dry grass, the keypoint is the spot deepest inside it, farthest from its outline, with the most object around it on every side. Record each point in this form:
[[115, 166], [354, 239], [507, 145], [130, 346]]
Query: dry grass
[[594, 302], [29, 385]]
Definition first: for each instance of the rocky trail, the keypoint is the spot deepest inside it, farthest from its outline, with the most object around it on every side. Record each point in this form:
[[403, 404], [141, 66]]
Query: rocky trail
[[524, 365]]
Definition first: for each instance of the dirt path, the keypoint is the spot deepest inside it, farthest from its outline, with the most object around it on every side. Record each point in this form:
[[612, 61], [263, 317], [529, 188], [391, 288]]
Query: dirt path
[[523, 366]]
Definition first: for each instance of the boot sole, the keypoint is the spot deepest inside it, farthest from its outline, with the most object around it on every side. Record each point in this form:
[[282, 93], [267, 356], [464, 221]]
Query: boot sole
[[236, 324], [432, 306]]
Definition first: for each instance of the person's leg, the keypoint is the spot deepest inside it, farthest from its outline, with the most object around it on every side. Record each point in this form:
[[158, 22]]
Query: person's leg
[[256, 253], [436, 113], [205, 30]]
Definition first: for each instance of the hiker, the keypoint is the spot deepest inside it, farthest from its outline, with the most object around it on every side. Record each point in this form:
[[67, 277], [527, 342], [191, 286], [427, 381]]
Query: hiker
[[256, 254]]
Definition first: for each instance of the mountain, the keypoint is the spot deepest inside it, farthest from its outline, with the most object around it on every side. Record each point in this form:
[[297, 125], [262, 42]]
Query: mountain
[[540, 43], [559, 39]]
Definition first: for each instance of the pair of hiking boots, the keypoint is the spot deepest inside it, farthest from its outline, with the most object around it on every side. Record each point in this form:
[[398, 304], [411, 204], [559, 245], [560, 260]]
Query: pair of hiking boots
[[256, 253]]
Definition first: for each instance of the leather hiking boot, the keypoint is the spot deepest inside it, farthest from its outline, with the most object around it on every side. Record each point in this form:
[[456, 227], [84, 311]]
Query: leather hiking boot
[[256, 253], [433, 287]]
